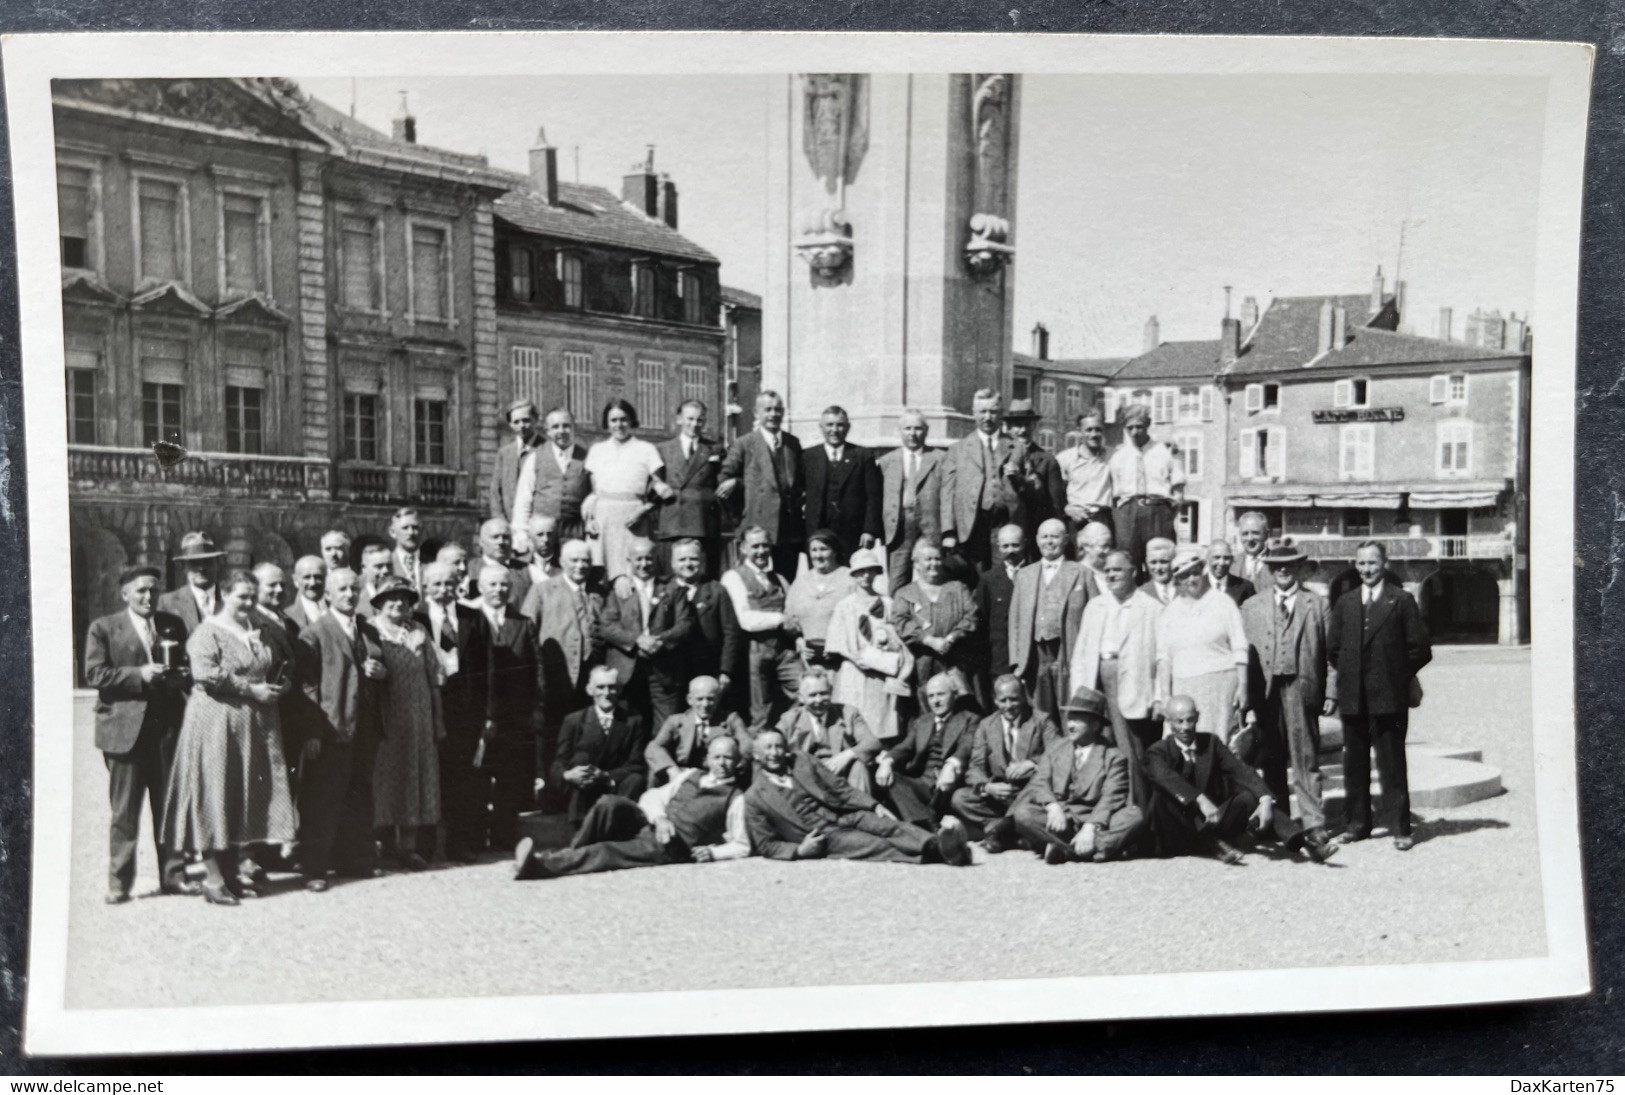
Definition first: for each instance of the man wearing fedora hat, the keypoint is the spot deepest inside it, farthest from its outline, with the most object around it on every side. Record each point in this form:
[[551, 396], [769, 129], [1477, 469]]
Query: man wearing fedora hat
[[1034, 471], [1286, 633], [135, 661], [1076, 807], [199, 598], [1148, 485]]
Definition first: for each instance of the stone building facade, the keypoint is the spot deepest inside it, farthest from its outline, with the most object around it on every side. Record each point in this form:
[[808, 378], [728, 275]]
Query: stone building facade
[[1061, 389]]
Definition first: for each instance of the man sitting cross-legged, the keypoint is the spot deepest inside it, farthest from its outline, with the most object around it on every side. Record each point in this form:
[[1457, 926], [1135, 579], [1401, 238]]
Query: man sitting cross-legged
[[1004, 756], [698, 817], [831, 733], [798, 809], [1076, 807], [917, 776], [683, 740], [601, 748]]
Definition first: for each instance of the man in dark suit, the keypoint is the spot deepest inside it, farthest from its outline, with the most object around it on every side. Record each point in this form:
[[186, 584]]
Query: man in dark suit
[[1220, 558], [1076, 807], [406, 557], [766, 464], [342, 673], [1377, 643], [645, 629], [995, 589], [798, 809], [1004, 755], [1045, 612], [500, 492], [601, 748], [693, 466], [714, 649], [377, 568], [508, 741], [140, 700], [199, 598], [496, 549], [462, 641], [558, 469], [910, 498], [682, 740], [843, 486], [310, 592], [1036, 477], [977, 495], [564, 612], [917, 776]]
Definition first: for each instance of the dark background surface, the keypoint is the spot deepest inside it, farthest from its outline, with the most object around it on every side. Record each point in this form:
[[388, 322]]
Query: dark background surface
[[1569, 1038]]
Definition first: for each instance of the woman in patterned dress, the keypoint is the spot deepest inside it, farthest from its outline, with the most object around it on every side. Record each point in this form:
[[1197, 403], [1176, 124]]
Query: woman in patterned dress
[[229, 787], [936, 618], [406, 775], [812, 597], [625, 471]]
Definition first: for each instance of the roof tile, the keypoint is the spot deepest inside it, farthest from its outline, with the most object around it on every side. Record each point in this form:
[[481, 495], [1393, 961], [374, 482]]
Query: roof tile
[[592, 214]]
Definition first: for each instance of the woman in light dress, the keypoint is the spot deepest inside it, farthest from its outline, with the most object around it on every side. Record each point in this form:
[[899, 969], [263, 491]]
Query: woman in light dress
[[228, 790], [406, 773], [627, 475], [814, 594], [874, 662], [1202, 648], [937, 618]]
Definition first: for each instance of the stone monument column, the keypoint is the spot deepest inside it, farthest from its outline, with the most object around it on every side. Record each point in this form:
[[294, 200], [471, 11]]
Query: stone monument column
[[891, 247]]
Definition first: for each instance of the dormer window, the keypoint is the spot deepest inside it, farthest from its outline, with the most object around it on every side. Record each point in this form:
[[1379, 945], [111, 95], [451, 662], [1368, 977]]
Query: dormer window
[[643, 290], [569, 271]]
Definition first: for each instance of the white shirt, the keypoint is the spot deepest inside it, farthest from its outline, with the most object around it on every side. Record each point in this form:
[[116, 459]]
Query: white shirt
[[1152, 470], [207, 600], [146, 630], [688, 445], [1163, 591], [1111, 637], [1189, 751], [561, 457], [494, 616], [834, 453], [408, 562], [1369, 594], [749, 618], [1010, 729], [442, 618], [1287, 599], [1048, 569], [313, 609], [911, 463], [1082, 753], [523, 491], [347, 624], [771, 438], [646, 597], [735, 836]]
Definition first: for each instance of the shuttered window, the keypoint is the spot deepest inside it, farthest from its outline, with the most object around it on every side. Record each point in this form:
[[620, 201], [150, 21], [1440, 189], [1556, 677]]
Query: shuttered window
[[158, 211], [242, 228], [429, 274], [525, 363], [578, 386], [360, 259], [75, 214]]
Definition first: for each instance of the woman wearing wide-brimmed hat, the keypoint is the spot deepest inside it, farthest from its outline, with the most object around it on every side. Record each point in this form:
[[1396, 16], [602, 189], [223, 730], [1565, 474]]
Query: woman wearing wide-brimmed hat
[[874, 662], [406, 775], [1202, 648]]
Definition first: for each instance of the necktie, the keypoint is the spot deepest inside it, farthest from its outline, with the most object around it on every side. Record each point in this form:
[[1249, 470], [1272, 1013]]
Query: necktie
[[149, 636], [1190, 760], [448, 633], [910, 469], [1009, 741]]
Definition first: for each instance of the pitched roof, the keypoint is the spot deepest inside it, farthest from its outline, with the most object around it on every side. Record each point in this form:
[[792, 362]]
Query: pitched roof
[[1173, 361], [593, 214], [362, 139], [1076, 366], [741, 298]]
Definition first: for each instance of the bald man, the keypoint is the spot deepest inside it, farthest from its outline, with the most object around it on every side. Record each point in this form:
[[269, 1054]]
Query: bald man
[[1220, 558], [911, 497], [1253, 533], [1045, 612], [496, 549], [601, 748], [309, 602], [461, 638], [1159, 565], [645, 628], [682, 740], [508, 736]]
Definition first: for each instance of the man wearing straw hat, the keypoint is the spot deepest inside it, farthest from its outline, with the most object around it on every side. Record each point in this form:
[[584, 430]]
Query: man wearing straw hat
[[1077, 807], [1148, 485], [199, 598]]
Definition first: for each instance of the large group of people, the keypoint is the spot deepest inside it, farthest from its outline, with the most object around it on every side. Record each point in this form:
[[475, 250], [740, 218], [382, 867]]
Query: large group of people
[[932, 656]]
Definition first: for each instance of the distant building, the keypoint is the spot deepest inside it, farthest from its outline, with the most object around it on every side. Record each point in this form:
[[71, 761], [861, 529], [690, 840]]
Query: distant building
[[741, 361], [1061, 388]]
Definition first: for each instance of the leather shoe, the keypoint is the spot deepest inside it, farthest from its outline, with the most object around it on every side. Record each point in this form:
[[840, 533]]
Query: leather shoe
[[218, 896], [992, 845], [1404, 842], [1227, 853], [953, 845], [1320, 851], [183, 889], [522, 871], [412, 861], [317, 885], [117, 897], [1055, 855], [1352, 836]]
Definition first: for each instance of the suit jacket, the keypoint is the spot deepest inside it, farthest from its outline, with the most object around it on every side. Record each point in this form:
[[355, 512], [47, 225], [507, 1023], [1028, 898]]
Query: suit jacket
[[397, 569], [1304, 640], [970, 485], [1024, 612], [843, 497], [678, 744], [346, 703], [296, 612], [510, 687], [559, 494], [1219, 774], [927, 496], [770, 814], [1376, 664], [463, 695], [911, 756], [519, 581], [715, 645], [994, 593], [1150, 587], [775, 490], [583, 740], [1042, 488], [114, 655], [844, 729], [566, 645], [988, 760], [671, 621], [694, 511], [499, 492], [1238, 590], [1099, 789], [181, 603], [1137, 661]]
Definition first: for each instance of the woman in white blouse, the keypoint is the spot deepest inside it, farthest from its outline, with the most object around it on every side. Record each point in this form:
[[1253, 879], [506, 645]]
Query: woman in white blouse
[[1202, 648], [627, 475]]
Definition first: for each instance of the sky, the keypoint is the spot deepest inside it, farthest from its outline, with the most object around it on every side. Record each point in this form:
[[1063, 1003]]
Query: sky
[[1136, 195]]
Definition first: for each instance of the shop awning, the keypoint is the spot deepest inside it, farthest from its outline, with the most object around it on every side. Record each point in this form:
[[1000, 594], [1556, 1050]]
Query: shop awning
[[1477, 494], [1467, 496]]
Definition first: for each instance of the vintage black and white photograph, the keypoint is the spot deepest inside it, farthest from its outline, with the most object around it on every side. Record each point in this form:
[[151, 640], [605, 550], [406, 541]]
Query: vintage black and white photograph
[[706, 545]]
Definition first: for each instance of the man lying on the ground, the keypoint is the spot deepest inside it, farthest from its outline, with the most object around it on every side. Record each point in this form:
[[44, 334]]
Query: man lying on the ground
[[1077, 808], [696, 817], [797, 808], [917, 776]]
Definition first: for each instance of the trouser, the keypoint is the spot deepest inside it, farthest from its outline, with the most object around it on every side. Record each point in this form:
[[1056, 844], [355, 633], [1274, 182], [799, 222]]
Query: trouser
[[865, 835], [1290, 758], [668, 696], [1133, 736], [335, 808], [143, 772], [1139, 520], [915, 799], [1032, 826], [583, 800], [613, 836], [900, 554], [775, 675], [977, 546], [983, 815], [510, 765], [1180, 829], [1043, 681], [856, 773], [1385, 733], [465, 796]]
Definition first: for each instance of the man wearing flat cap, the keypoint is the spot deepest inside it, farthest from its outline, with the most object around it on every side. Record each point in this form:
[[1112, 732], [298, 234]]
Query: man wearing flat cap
[[1077, 806], [135, 660], [1148, 485], [199, 598]]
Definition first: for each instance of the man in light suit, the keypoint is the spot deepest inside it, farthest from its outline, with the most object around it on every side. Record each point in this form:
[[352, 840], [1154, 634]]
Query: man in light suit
[[766, 464], [1253, 532], [601, 748], [1045, 612], [831, 733], [377, 566], [1286, 631], [1376, 643], [843, 486], [978, 496], [1116, 654], [1220, 558], [565, 613], [682, 740], [406, 558], [1159, 565], [500, 492], [343, 671], [1004, 756], [916, 777], [1077, 807], [693, 466], [559, 473], [645, 628], [140, 701], [310, 582], [911, 498], [199, 598]]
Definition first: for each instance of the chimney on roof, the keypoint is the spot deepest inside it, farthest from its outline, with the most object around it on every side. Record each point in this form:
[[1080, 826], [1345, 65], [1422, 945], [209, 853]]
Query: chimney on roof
[[1040, 342], [405, 126], [1229, 342], [1399, 298], [544, 168], [1249, 313], [668, 202], [1340, 327], [1446, 324], [1153, 335], [641, 188], [1323, 341], [1515, 334], [1376, 292]]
